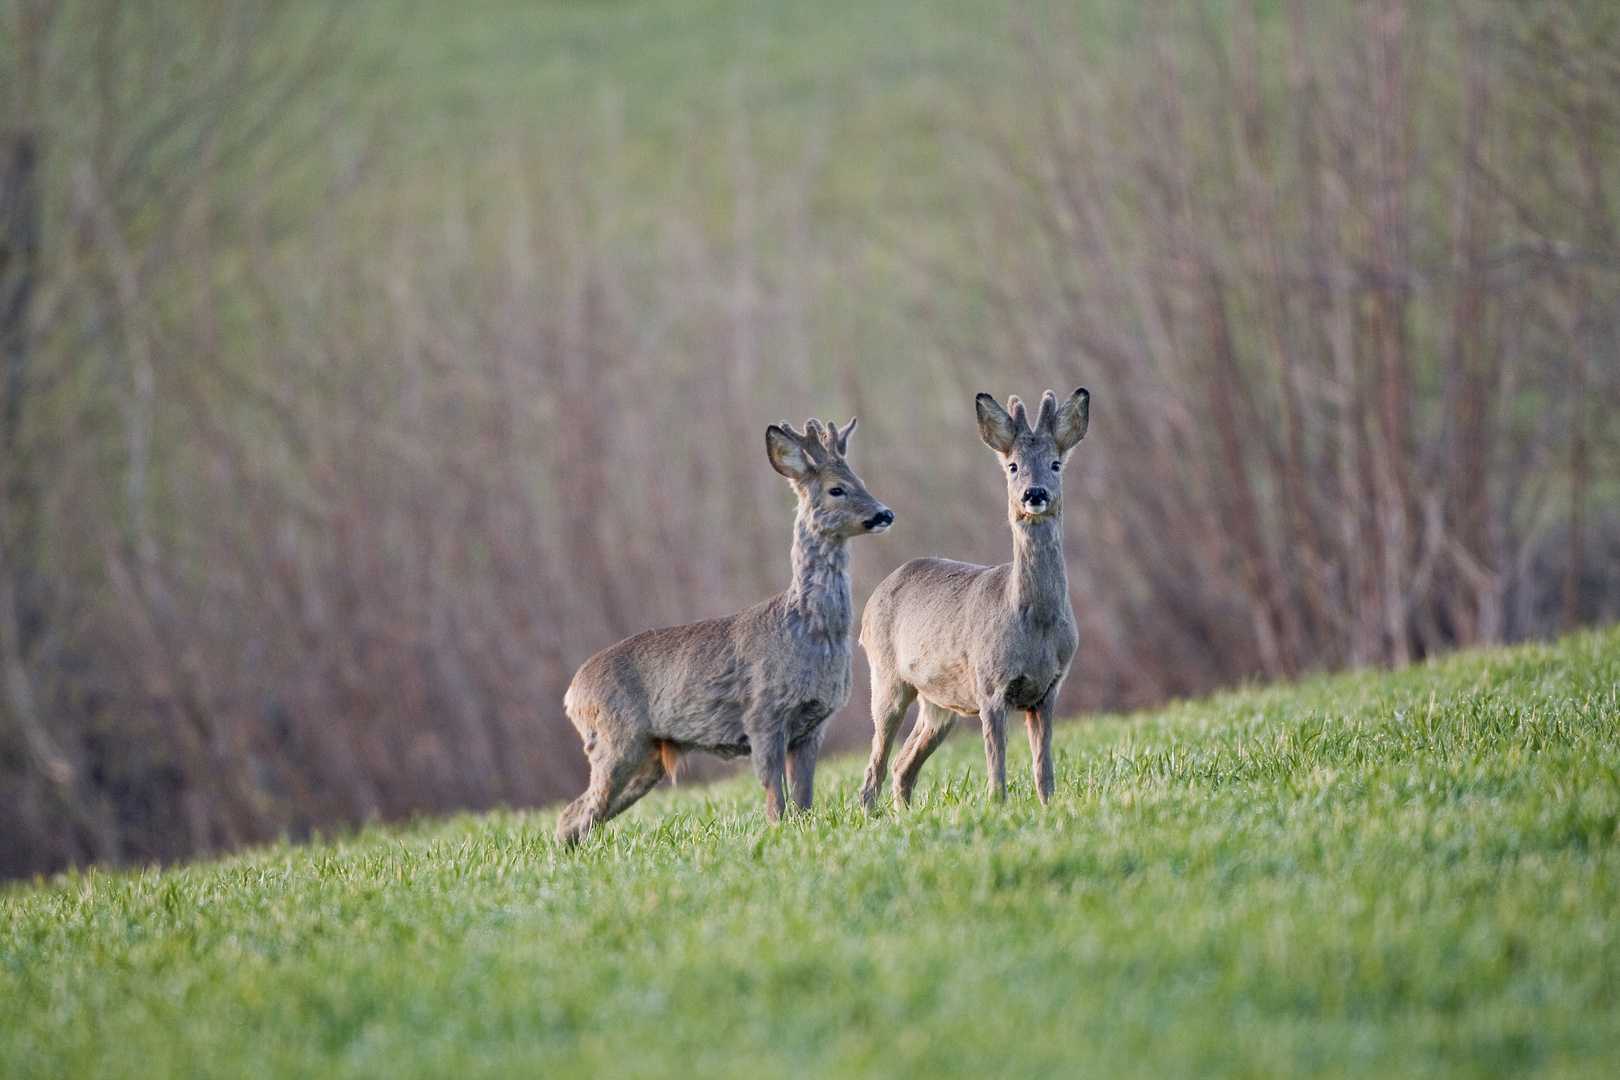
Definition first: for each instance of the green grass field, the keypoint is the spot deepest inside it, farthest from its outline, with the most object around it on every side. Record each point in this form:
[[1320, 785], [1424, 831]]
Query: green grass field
[[1369, 875]]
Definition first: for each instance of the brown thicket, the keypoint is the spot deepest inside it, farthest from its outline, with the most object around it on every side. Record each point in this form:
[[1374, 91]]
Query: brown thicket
[[316, 482], [1344, 279], [310, 515]]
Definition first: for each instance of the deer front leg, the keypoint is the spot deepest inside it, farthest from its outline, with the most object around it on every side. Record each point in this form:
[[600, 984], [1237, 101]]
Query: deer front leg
[[1038, 721], [993, 718], [801, 767], [770, 765]]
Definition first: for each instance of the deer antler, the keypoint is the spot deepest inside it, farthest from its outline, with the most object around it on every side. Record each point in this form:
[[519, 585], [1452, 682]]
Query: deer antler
[[823, 442], [816, 442], [1015, 409], [1047, 421]]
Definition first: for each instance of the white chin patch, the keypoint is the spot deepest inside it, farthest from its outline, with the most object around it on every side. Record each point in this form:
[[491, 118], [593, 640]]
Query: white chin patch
[[879, 528]]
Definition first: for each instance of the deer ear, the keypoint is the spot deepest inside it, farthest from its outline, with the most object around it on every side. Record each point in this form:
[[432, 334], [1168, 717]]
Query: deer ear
[[786, 453], [996, 428], [1073, 417], [843, 435]]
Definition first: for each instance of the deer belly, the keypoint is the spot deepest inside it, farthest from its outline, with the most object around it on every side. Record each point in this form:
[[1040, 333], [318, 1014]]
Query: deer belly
[[730, 749], [725, 738], [948, 685], [714, 726]]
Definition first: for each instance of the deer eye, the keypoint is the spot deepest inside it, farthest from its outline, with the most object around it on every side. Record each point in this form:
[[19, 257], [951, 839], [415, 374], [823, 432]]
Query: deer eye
[[837, 492], [1012, 467], [1057, 466]]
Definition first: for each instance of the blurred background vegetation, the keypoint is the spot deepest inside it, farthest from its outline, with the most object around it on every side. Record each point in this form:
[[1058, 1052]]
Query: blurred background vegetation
[[363, 369]]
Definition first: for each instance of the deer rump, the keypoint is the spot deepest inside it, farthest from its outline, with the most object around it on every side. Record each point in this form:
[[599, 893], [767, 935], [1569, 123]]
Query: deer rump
[[690, 688]]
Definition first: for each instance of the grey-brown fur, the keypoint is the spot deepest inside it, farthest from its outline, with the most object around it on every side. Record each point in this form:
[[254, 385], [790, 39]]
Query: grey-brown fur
[[760, 682], [981, 640]]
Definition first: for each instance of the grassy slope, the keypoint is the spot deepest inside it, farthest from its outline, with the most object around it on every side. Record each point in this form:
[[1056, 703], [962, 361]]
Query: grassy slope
[[1412, 873]]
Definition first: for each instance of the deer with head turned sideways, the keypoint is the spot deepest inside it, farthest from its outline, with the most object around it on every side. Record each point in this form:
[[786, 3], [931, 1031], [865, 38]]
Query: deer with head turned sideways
[[982, 640], [762, 682]]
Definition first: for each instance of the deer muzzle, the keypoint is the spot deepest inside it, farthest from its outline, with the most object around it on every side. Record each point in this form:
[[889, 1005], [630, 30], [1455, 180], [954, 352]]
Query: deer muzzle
[[879, 521]]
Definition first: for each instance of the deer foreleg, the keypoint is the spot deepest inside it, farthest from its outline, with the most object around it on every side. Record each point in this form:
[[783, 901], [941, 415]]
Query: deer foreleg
[[770, 765], [1038, 721], [801, 767], [993, 718]]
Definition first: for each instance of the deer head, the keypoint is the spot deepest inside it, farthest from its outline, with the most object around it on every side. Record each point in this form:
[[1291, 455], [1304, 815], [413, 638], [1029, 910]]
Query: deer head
[[1033, 455], [831, 497]]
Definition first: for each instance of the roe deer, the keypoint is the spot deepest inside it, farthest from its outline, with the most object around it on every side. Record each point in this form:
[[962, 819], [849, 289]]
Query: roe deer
[[982, 639], [760, 682]]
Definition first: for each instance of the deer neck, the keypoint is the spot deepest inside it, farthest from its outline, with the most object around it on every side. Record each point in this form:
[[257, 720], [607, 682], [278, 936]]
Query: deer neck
[[1039, 584], [820, 593]]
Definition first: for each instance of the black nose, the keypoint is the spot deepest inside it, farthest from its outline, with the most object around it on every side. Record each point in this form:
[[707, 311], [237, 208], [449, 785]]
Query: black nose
[[1036, 495], [879, 519]]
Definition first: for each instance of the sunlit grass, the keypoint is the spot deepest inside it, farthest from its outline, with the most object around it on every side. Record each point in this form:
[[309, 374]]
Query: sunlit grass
[[1376, 874]]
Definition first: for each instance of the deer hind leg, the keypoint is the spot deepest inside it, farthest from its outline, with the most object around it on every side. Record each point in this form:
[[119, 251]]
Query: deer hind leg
[[579, 815], [613, 769], [889, 704], [934, 724], [653, 767]]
